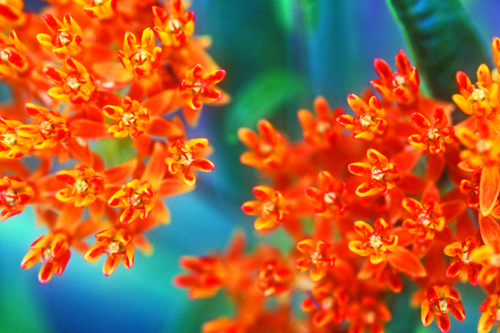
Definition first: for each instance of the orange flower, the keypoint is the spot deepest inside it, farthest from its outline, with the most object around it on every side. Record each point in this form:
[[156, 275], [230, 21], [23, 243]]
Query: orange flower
[[100, 9], [382, 174], [438, 302], [369, 120], [328, 304], [83, 185], [132, 119], [185, 157], [318, 257], [273, 279], [15, 194], [323, 131], [427, 217], [141, 58], [13, 55], [52, 250], [481, 99], [136, 197], [117, 244], [471, 188], [75, 84], [271, 205], [463, 259], [433, 137], [489, 257], [51, 127], [483, 153], [490, 309], [205, 279], [174, 28], [401, 86], [12, 145], [268, 151], [11, 11], [327, 198], [376, 243], [66, 38], [368, 314], [198, 87]]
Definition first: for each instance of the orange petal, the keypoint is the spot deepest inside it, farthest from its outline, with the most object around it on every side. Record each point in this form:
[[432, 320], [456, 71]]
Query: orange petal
[[110, 264], [46, 272], [88, 129], [490, 230], [489, 188], [406, 262], [156, 168]]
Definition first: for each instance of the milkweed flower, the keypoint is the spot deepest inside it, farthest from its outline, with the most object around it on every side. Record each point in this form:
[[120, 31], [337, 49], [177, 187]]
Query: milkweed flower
[[173, 28], [198, 88], [483, 152], [99, 9], [206, 276], [490, 309], [274, 278], [375, 242], [186, 157], [319, 257], [481, 99], [270, 205], [141, 58], [136, 197], [117, 244], [369, 120], [368, 314], [51, 127], [382, 174], [132, 118], [13, 59], [463, 259], [426, 217], [327, 198], [327, 303], [52, 250], [75, 84], [66, 38], [15, 194], [12, 144], [402, 85], [433, 137], [489, 257], [268, 151], [322, 131], [439, 301], [83, 185]]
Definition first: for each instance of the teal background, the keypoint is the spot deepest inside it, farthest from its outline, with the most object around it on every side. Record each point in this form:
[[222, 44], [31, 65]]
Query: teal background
[[309, 47]]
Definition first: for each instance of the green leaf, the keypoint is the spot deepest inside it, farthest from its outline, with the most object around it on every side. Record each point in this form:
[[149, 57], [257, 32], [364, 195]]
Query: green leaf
[[283, 11], [442, 40], [261, 98]]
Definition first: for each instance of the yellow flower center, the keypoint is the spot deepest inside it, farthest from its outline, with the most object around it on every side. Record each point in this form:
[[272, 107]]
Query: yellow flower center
[[10, 197], [81, 186], [323, 126], [330, 197]]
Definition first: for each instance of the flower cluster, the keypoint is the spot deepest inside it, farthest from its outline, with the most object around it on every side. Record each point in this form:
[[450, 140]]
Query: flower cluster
[[402, 192], [86, 76]]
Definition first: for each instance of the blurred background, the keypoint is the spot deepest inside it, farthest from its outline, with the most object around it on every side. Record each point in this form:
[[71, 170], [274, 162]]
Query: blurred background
[[279, 55]]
